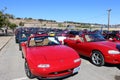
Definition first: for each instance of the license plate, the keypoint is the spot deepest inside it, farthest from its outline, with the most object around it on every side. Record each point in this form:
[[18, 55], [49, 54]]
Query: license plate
[[76, 69]]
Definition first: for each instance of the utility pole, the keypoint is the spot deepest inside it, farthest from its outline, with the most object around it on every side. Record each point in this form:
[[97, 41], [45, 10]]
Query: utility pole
[[109, 18]]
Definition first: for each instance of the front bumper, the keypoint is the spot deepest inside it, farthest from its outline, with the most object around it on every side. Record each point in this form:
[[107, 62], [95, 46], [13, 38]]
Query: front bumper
[[59, 77], [57, 74], [113, 59]]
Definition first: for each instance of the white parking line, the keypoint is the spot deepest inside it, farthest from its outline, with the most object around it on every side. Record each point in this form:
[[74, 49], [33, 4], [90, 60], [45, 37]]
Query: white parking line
[[23, 78]]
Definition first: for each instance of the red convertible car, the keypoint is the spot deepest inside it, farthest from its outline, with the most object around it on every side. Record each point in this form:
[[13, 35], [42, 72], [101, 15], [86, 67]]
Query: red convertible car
[[96, 48], [46, 58]]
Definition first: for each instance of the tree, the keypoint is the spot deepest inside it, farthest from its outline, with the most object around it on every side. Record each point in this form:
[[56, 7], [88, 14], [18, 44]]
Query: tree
[[13, 26], [1, 19], [44, 25], [10, 16], [4, 18], [18, 18], [21, 23], [29, 18], [60, 25]]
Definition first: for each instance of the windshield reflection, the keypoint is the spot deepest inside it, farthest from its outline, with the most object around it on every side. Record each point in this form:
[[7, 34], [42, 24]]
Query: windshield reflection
[[43, 41], [94, 37]]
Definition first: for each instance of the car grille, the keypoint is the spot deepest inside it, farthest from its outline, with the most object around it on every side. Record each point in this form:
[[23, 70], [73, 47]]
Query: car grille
[[61, 72]]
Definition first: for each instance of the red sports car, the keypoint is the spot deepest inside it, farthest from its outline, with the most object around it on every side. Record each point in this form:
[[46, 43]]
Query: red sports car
[[46, 58], [95, 47]]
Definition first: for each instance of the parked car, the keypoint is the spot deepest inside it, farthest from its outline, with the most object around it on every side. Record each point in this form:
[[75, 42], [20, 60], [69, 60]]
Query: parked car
[[72, 33], [2, 33], [17, 33], [113, 35], [61, 35], [46, 58], [22, 38], [95, 47]]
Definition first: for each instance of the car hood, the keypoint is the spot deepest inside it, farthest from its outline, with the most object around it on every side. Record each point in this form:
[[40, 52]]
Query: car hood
[[52, 53], [107, 44]]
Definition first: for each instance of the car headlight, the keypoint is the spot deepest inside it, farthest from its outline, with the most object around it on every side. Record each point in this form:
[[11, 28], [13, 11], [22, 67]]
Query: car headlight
[[43, 66], [77, 60], [113, 52]]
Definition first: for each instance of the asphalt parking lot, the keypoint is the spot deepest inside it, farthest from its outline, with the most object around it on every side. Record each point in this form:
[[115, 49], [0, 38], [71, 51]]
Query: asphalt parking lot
[[12, 67]]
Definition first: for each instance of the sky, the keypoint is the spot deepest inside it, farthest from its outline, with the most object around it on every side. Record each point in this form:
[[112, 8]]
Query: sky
[[85, 11]]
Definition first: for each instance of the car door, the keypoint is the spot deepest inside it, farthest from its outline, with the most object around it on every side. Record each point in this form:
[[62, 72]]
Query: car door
[[71, 42], [84, 48]]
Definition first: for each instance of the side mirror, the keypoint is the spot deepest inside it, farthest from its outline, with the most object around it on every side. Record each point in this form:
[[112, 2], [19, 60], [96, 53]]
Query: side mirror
[[78, 41], [23, 44]]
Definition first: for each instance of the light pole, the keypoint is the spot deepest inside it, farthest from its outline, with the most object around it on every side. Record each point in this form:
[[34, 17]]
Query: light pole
[[109, 18]]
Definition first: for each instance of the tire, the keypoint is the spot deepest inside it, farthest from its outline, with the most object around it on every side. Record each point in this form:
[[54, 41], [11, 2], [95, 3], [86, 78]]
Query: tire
[[20, 47], [28, 72], [66, 44], [22, 55], [16, 40], [118, 66], [97, 58]]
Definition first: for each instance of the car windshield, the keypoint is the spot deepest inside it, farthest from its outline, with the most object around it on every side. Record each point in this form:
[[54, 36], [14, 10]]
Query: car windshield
[[94, 37], [44, 41], [23, 35]]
